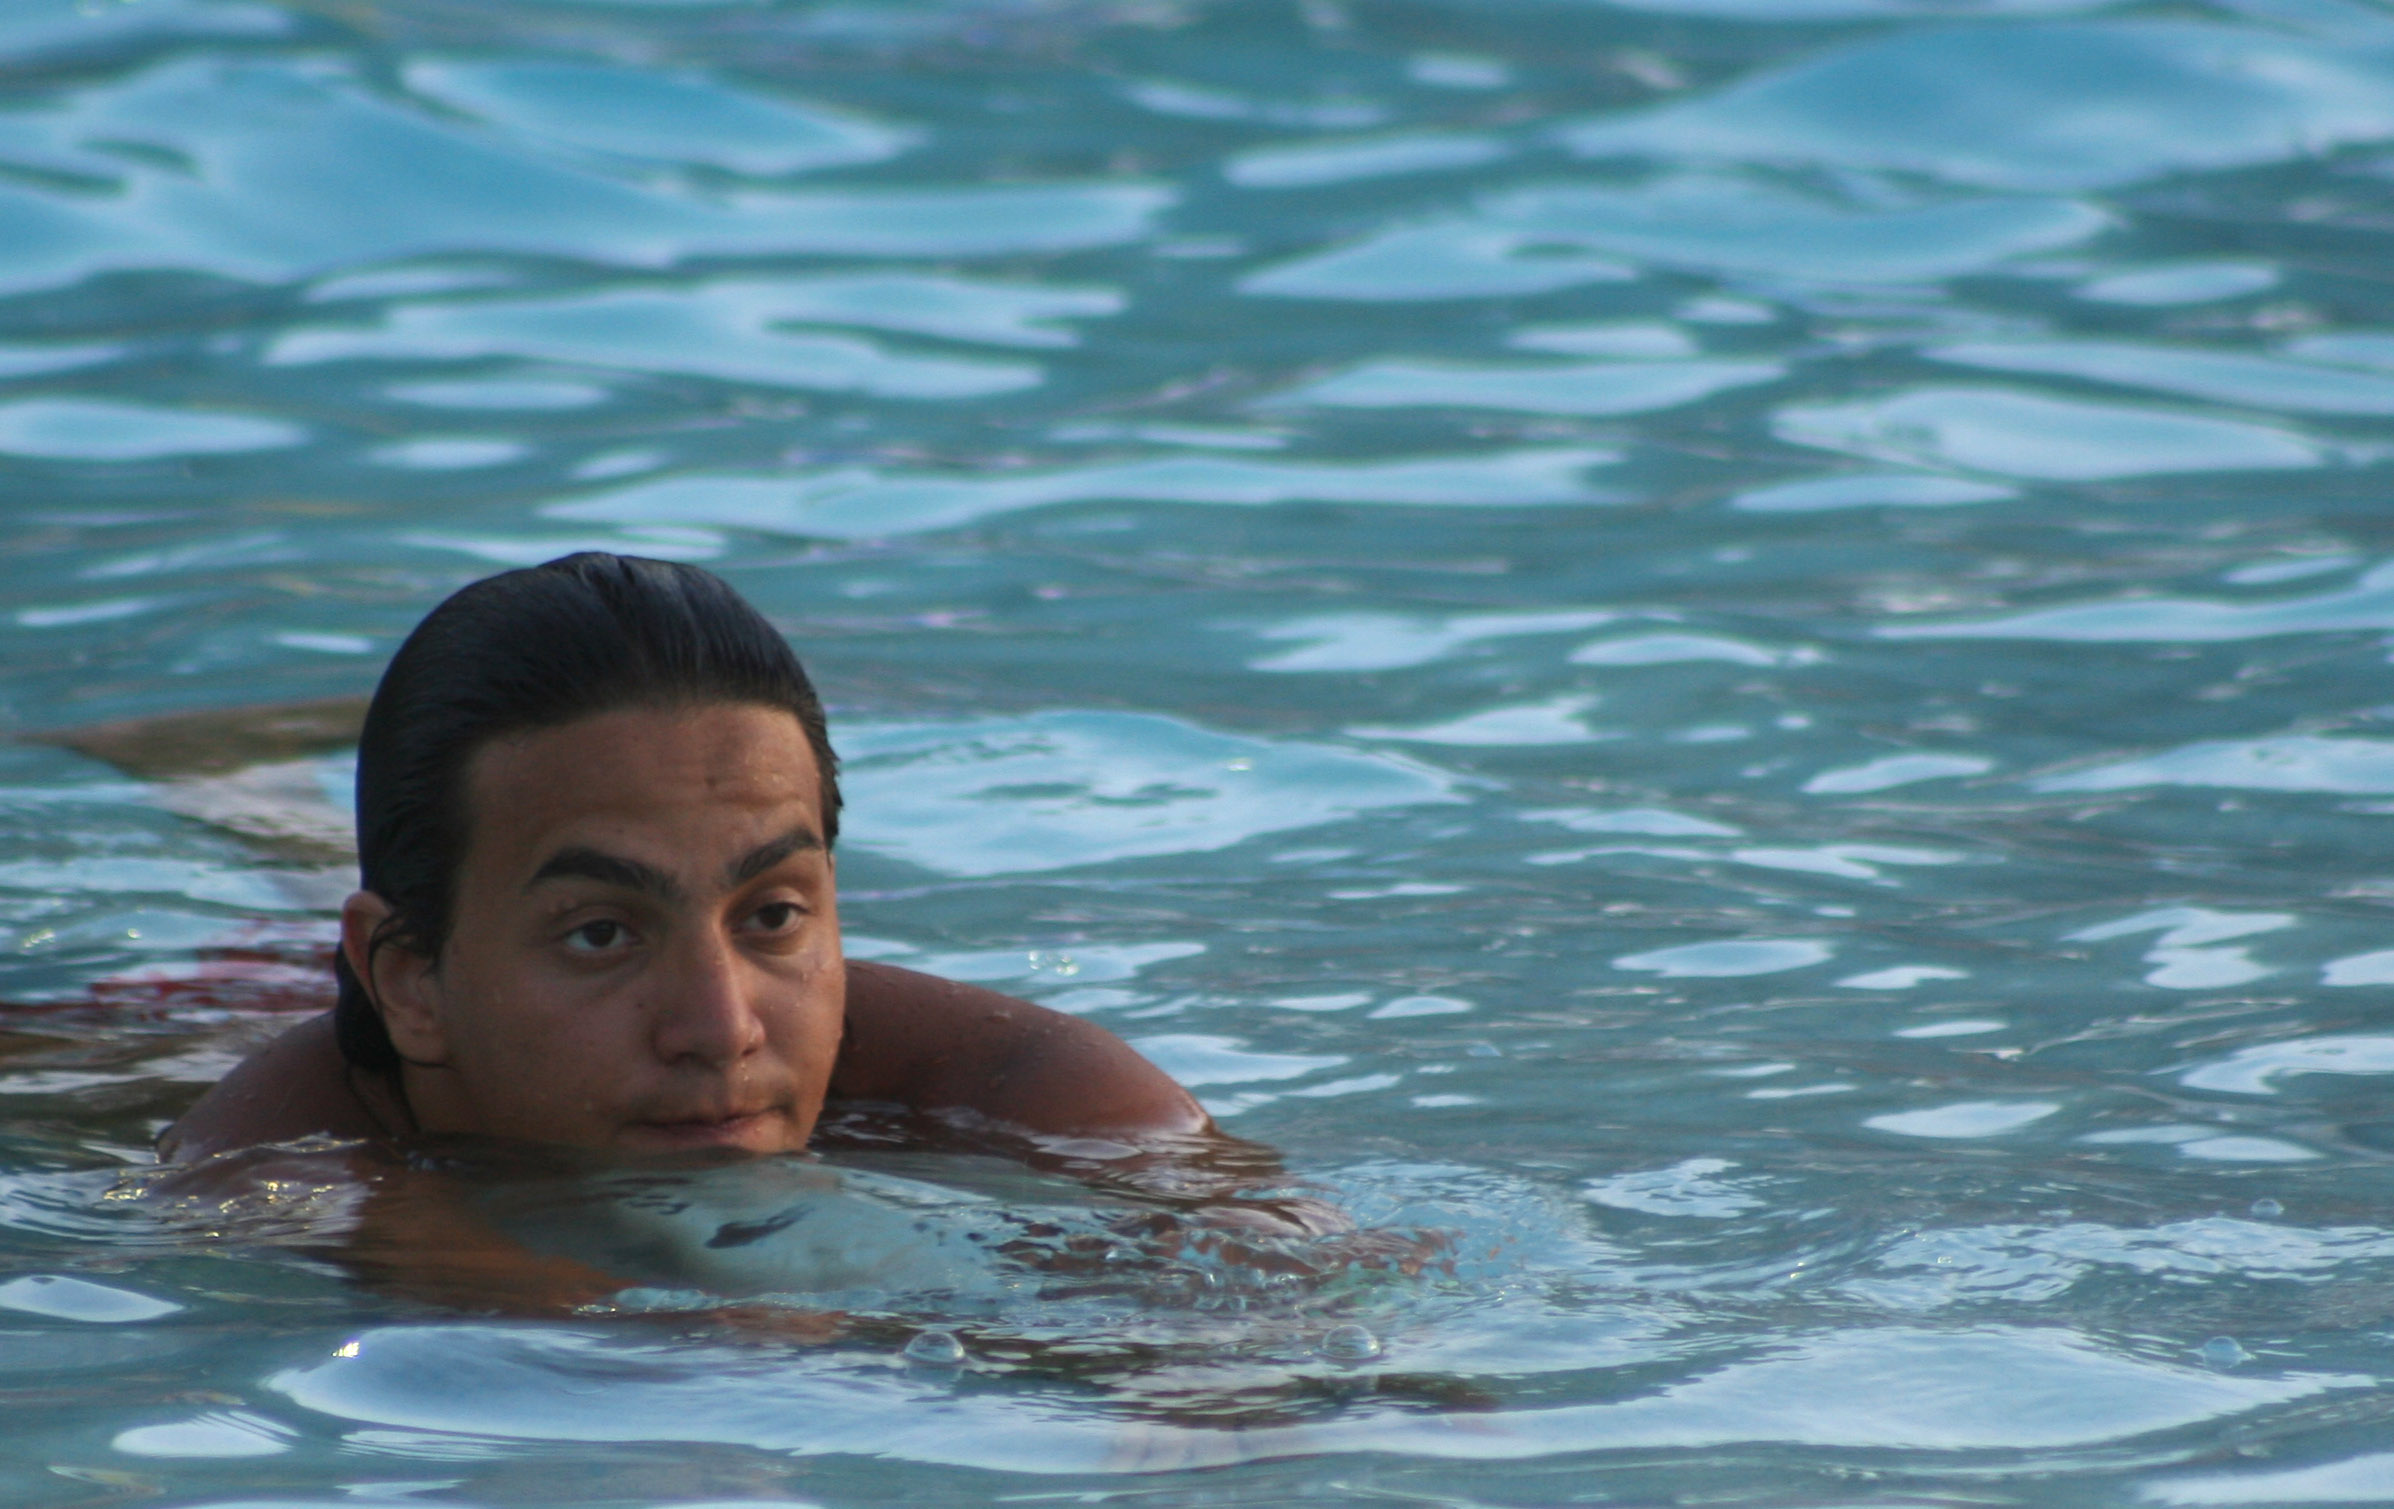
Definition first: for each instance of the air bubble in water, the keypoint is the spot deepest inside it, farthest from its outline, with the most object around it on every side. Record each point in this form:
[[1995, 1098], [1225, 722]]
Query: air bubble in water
[[2223, 1352], [2266, 1209], [937, 1349], [1349, 1344]]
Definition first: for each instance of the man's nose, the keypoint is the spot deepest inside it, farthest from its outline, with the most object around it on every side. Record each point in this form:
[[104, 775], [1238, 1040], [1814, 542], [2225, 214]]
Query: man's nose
[[707, 1009]]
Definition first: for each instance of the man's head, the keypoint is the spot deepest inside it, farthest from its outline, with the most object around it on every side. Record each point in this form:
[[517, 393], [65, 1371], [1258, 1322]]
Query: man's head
[[595, 804]]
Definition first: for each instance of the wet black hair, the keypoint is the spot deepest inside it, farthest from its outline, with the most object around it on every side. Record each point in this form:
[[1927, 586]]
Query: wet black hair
[[524, 650]]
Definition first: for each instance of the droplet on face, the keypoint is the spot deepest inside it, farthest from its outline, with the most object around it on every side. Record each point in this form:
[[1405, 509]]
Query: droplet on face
[[1349, 1343], [938, 1349]]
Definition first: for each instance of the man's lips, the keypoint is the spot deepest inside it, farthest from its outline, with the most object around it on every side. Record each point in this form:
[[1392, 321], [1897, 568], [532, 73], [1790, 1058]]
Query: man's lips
[[732, 1130]]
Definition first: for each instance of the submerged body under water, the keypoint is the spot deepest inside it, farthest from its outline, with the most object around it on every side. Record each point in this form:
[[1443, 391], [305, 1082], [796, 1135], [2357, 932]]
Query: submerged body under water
[[1726, 657]]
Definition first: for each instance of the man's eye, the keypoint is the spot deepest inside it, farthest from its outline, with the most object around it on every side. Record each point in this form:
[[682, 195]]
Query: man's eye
[[596, 937], [779, 916]]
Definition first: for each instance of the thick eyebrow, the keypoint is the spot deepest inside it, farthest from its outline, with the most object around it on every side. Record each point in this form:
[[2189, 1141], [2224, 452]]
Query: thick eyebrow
[[766, 855], [607, 869]]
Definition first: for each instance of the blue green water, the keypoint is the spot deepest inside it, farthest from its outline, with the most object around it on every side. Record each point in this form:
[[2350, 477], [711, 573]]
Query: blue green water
[[1736, 649]]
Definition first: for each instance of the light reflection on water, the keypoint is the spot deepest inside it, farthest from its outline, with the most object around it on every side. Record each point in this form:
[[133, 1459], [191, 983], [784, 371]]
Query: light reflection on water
[[1733, 649]]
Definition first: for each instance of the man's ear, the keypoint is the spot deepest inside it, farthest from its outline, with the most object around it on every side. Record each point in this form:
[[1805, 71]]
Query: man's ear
[[398, 979]]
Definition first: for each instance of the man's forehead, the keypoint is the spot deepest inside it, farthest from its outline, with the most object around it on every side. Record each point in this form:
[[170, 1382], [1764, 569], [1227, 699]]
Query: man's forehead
[[654, 742], [621, 772]]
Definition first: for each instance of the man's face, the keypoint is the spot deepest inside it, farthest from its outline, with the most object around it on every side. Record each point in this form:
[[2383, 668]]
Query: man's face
[[646, 951]]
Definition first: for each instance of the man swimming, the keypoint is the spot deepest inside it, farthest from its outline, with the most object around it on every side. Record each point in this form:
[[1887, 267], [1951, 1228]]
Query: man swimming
[[596, 805]]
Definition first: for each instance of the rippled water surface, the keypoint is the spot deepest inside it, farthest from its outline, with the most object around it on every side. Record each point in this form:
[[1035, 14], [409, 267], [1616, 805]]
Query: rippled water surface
[[1734, 650]]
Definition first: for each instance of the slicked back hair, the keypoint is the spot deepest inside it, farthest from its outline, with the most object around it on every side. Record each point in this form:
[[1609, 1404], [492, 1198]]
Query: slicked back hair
[[521, 651]]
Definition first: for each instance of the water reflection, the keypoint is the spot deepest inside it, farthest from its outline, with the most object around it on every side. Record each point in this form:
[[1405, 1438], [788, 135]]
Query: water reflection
[[2060, 106]]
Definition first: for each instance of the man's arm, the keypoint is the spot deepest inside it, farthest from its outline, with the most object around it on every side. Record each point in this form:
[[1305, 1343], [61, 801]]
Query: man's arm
[[934, 1045]]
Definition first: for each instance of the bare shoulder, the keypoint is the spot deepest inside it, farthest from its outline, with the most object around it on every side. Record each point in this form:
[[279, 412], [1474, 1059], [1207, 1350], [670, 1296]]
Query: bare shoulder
[[934, 1044], [295, 1086], [920, 1041]]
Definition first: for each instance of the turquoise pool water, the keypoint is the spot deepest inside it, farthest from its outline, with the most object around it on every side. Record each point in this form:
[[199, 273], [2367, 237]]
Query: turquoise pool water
[[1737, 650]]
